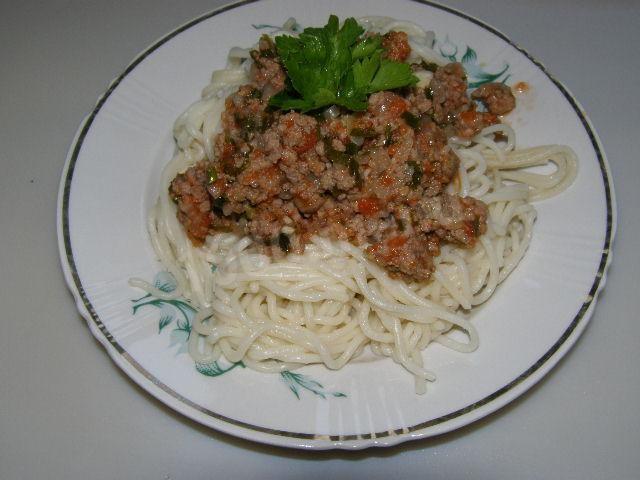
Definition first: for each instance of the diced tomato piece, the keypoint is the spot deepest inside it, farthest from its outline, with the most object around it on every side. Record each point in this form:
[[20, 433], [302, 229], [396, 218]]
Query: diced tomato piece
[[368, 206], [396, 107], [386, 180], [228, 150], [251, 178], [308, 142], [396, 242]]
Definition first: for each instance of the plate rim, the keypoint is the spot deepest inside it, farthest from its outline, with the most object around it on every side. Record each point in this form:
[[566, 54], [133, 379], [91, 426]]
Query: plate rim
[[436, 426]]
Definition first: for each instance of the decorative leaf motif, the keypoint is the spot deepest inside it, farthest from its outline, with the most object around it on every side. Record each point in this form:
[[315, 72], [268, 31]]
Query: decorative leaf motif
[[290, 24], [164, 321], [297, 381], [476, 74], [184, 326], [182, 311], [165, 282], [481, 77], [170, 310], [469, 56], [448, 49], [214, 369]]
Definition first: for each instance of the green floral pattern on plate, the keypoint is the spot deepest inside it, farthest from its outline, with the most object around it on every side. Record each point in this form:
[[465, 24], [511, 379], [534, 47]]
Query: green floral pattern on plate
[[475, 73], [179, 313]]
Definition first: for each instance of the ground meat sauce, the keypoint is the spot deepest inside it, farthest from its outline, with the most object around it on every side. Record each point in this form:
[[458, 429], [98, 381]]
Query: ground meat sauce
[[396, 45], [374, 178], [497, 97]]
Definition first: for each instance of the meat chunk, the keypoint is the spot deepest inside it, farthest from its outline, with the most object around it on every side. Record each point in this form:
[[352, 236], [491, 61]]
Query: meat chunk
[[449, 90], [267, 222], [396, 45], [256, 184], [409, 257], [298, 132], [497, 97], [189, 191], [308, 196], [387, 106], [469, 123], [418, 101], [267, 72], [452, 218], [439, 163]]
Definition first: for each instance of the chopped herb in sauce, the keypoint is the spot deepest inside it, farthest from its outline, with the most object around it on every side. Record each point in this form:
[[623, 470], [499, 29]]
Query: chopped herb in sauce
[[388, 136], [416, 173], [346, 158], [231, 167], [218, 203], [255, 93], [351, 148], [212, 175], [354, 169], [412, 120], [364, 132], [430, 66], [284, 243]]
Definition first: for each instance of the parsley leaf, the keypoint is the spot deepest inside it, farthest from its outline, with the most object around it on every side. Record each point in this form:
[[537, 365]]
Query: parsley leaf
[[333, 65]]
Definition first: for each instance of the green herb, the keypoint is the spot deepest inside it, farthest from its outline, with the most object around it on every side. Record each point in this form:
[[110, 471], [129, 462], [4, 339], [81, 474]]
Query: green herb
[[229, 139], [347, 158], [284, 243], [363, 132], [218, 203], [336, 156], [388, 136], [354, 169], [416, 173], [412, 120], [255, 93], [351, 148], [335, 66], [430, 66], [212, 174], [247, 124]]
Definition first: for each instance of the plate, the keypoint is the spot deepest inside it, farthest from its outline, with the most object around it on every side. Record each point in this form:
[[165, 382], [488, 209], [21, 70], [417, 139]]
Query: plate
[[111, 180]]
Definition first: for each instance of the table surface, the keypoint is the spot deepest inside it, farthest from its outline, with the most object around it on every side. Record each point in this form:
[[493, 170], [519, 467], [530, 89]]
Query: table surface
[[66, 410]]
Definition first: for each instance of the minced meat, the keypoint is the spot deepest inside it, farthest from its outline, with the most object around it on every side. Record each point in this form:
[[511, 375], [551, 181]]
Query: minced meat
[[497, 97], [396, 45], [375, 178]]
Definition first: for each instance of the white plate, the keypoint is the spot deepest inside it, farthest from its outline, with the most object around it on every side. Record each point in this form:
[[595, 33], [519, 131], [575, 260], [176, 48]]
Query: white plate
[[111, 179]]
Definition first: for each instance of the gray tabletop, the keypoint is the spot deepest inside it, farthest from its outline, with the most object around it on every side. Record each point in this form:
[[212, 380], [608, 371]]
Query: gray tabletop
[[66, 410]]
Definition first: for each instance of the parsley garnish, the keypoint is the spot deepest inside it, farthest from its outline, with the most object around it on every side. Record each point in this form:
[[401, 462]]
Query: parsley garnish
[[335, 66]]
